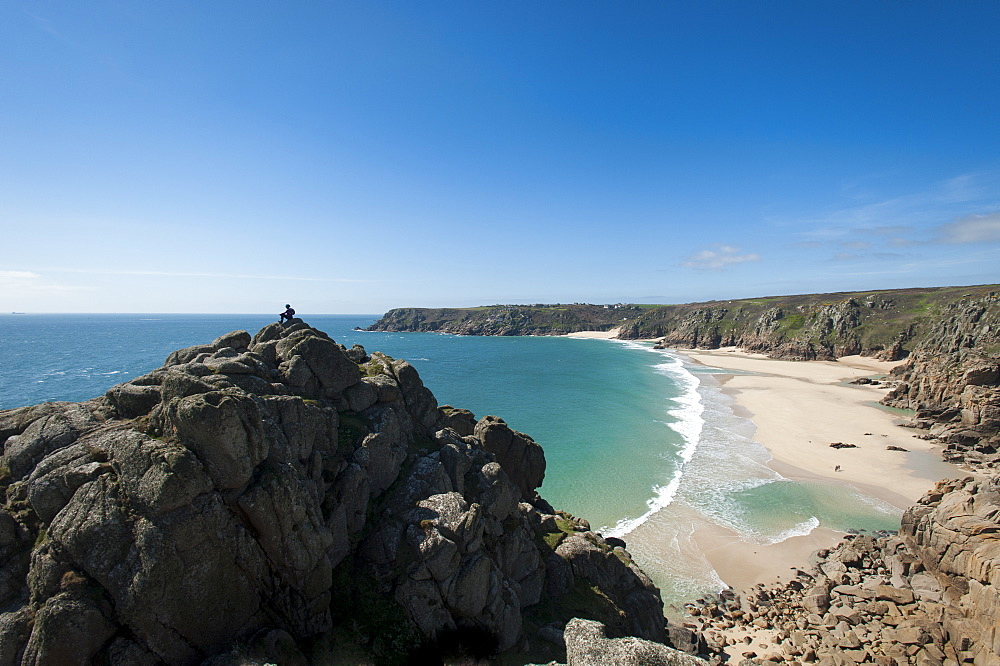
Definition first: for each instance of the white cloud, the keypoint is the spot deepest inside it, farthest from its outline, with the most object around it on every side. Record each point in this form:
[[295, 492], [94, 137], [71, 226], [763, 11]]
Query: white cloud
[[720, 257], [18, 275], [972, 229], [912, 218], [19, 283], [237, 276]]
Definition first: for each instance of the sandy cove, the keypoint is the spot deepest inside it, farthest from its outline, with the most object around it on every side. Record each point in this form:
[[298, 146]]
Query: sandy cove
[[800, 408], [600, 335]]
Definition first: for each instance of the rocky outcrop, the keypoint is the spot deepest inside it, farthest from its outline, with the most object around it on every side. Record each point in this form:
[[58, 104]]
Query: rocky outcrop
[[928, 595], [537, 319], [266, 497], [953, 533], [588, 645], [885, 325], [952, 381]]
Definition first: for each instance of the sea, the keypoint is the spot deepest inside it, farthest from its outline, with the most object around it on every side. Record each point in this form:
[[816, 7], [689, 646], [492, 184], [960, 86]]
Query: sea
[[639, 441]]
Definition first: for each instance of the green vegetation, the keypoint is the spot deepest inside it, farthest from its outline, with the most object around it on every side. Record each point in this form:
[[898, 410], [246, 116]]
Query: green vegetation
[[806, 326], [350, 429], [421, 445], [821, 325], [370, 619], [371, 369], [535, 319], [583, 600], [553, 539]]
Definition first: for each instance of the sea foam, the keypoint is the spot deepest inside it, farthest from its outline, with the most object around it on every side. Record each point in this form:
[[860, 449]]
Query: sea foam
[[687, 422], [802, 529], [730, 464]]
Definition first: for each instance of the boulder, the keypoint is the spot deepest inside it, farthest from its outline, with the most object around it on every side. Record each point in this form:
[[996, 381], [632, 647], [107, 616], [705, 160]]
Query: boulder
[[817, 599], [588, 645], [130, 400], [519, 455], [69, 629], [238, 340], [324, 360], [461, 421], [894, 594], [223, 430]]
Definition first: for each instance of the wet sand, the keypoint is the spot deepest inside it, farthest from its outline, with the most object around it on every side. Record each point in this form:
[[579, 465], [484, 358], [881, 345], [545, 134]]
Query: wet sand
[[800, 408]]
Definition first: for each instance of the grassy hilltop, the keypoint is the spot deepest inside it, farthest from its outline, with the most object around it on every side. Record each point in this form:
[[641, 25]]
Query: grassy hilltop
[[538, 319], [886, 323]]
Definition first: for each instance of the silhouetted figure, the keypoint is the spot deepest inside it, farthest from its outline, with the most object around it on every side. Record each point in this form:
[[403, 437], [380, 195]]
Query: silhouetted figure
[[287, 314]]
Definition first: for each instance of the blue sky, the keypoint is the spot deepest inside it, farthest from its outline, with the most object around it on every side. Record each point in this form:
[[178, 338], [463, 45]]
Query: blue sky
[[356, 156]]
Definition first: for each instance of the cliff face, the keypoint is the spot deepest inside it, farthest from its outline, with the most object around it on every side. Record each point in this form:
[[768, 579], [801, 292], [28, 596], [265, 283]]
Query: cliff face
[[954, 534], [883, 324], [507, 319], [804, 332], [950, 338], [927, 596], [294, 499], [952, 380]]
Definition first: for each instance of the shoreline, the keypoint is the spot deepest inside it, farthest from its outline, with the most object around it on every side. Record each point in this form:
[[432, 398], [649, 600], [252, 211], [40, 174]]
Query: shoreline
[[611, 334], [799, 408], [596, 335]]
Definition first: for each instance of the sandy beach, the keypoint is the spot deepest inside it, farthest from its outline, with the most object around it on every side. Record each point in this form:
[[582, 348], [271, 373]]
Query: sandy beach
[[799, 409], [600, 335]]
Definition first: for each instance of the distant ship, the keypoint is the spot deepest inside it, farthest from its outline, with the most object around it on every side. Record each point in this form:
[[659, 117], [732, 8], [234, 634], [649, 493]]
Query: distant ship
[[17, 313]]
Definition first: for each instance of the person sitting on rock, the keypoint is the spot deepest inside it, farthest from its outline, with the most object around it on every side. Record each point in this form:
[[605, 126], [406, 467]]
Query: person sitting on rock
[[287, 314]]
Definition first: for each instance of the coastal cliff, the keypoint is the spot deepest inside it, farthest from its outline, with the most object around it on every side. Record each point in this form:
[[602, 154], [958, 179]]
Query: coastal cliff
[[949, 337], [887, 324], [536, 319], [927, 596], [285, 499], [884, 324], [952, 381]]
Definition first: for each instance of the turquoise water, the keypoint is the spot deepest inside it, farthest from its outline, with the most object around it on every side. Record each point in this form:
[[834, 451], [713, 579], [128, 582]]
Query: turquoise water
[[639, 441]]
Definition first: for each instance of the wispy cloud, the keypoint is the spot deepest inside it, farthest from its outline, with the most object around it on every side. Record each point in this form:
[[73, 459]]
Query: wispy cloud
[[27, 282], [961, 210], [917, 267], [719, 257], [907, 219], [237, 276], [972, 229], [865, 256]]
